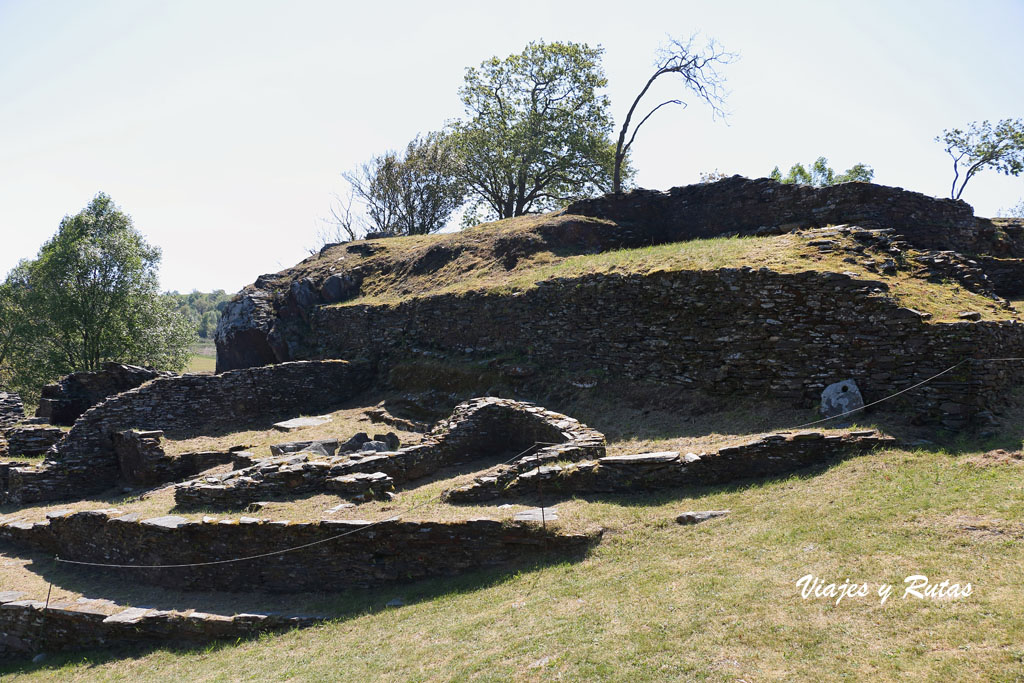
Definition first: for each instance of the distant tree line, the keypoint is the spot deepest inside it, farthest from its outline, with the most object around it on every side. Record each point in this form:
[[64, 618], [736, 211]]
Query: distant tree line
[[820, 174], [202, 310]]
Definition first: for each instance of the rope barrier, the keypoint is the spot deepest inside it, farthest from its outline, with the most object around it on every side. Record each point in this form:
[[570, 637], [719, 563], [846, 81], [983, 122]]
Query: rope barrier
[[294, 548], [903, 391], [516, 457]]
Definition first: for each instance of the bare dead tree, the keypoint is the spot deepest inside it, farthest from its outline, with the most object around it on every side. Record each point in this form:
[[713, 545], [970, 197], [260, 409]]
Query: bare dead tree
[[343, 225], [699, 70]]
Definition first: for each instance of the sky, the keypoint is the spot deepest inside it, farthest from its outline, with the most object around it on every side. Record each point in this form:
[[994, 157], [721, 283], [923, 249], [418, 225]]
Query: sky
[[222, 127]]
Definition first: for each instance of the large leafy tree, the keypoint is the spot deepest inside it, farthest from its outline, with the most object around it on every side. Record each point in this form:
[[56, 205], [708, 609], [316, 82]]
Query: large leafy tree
[[820, 174], [537, 132], [983, 145], [89, 297]]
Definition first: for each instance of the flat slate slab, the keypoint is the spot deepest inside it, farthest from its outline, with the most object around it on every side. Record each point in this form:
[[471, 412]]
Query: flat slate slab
[[661, 458], [300, 422], [166, 522], [537, 515]]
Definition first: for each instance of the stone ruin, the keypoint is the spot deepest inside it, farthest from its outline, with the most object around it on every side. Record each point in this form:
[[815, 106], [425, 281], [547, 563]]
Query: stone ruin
[[65, 401], [767, 456], [481, 429], [11, 409], [529, 449], [524, 450]]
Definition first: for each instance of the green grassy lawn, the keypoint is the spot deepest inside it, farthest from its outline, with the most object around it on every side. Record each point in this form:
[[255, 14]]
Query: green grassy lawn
[[658, 601], [203, 359]]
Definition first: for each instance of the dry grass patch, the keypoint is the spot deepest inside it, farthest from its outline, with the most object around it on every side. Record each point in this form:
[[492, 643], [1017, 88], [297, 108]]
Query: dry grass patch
[[344, 423]]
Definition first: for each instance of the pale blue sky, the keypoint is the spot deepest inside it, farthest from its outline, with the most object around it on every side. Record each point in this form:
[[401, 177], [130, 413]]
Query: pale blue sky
[[222, 127]]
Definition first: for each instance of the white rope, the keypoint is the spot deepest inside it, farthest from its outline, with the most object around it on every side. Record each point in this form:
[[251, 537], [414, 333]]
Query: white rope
[[292, 549], [516, 457]]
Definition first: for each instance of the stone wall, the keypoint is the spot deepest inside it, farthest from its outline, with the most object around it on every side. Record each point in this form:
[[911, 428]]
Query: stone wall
[[1005, 274], [482, 429], [63, 402], [767, 456], [269, 321], [743, 206], [142, 460], [11, 409], [358, 553], [32, 439], [727, 332], [30, 627], [183, 406]]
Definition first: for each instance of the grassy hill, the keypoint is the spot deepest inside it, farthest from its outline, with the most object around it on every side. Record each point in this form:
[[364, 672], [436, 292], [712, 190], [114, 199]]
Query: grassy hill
[[655, 600]]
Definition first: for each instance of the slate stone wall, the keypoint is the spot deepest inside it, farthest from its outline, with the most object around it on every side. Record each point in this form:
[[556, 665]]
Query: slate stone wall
[[766, 456], [12, 411], [30, 627], [1005, 274], [727, 332], [482, 428], [63, 402], [365, 554], [183, 406], [743, 206]]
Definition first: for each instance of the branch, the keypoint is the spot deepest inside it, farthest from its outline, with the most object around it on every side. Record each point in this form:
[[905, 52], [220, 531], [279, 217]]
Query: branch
[[644, 120]]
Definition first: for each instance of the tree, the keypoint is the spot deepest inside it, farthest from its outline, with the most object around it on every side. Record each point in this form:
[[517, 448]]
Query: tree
[[538, 134], [821, 175], [982, 146], [92, 296], [413, 193], [343, 225], [201, 309], [698, 69], [1016, 211]]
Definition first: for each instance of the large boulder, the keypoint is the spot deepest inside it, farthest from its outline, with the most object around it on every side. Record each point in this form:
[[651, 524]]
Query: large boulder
[[243, 331]]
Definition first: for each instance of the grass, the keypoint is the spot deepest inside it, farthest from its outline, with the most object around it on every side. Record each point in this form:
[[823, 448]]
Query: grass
[[203, 359], [654, 601], [345, 422], [788, 253]]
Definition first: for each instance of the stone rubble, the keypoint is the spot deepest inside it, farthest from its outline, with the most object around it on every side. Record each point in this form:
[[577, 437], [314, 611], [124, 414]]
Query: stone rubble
[[479, 428]]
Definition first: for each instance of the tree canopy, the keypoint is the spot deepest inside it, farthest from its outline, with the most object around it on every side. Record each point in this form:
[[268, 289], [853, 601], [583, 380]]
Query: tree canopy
[[820, 174], [89, 297], [538, 133], [202, 309], [412, 193], [982, 145]]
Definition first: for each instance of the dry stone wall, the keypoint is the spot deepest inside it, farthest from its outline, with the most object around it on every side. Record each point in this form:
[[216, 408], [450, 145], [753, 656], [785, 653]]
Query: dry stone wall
[[358, 553], [482, 428], [12, 411], [734, 331], [269, 321], [766, 456], [743, 206], [85, 461], [30, 627], [63, 402]]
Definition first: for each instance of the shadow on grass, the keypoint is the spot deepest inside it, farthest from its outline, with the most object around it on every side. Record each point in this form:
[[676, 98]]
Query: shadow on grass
[[345, 605]]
